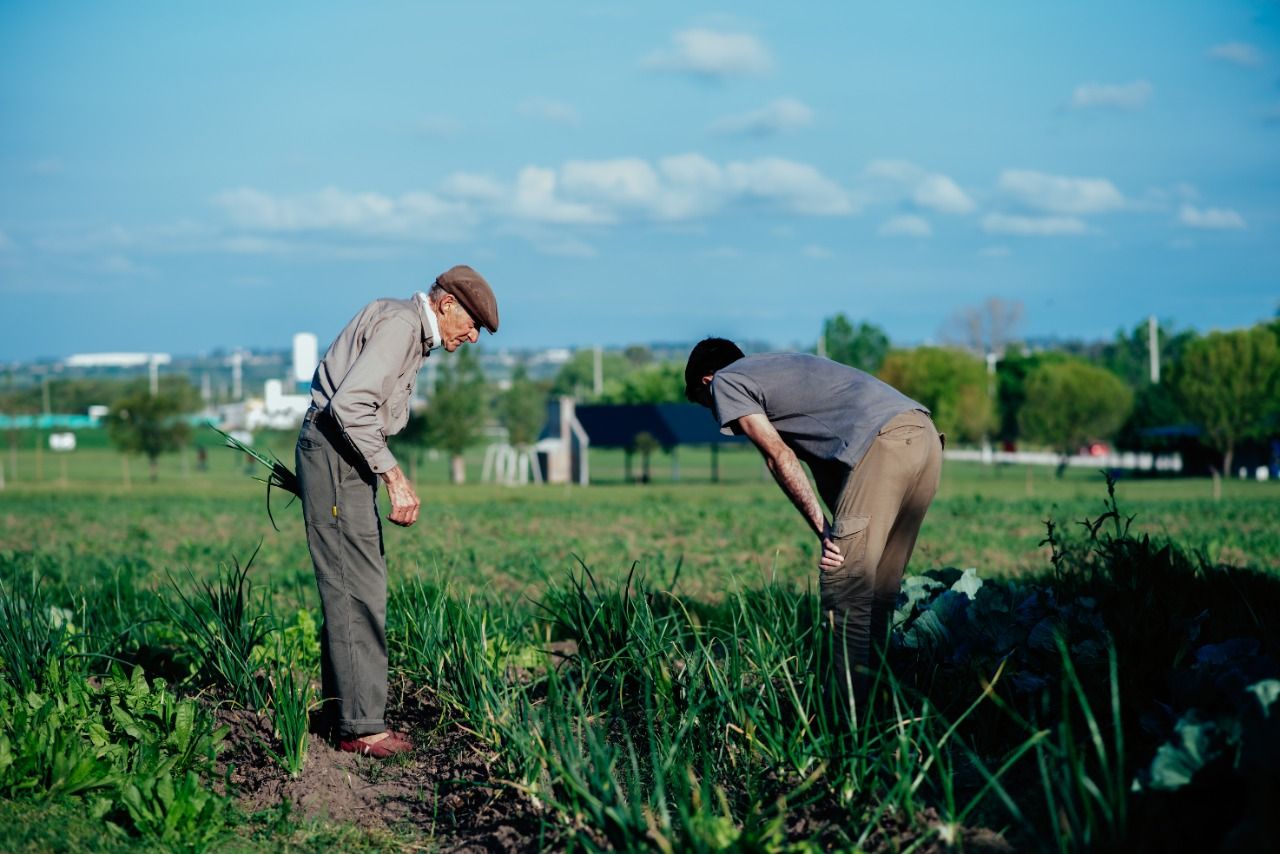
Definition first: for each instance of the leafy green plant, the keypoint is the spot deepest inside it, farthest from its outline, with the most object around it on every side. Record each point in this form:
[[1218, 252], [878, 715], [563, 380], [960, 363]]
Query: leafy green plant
[[182, 811], [225, 625], [117, 746], [35, 635], [292, 699]]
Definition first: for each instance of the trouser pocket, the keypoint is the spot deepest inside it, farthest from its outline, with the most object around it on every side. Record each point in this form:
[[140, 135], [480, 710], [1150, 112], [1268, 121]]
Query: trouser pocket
[[850, 536]]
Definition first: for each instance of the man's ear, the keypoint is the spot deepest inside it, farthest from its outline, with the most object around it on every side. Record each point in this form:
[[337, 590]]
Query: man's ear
[[707, 379]]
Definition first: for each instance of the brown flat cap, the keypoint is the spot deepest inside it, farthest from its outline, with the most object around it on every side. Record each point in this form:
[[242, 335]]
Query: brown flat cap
[[470, 289]]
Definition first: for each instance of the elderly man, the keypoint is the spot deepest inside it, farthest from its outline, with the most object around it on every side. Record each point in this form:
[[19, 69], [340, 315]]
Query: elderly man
[[360, 395], [875, 457]]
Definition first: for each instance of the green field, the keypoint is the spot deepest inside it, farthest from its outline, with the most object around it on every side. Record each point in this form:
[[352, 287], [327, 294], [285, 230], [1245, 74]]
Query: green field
[[492, 578], [739, 531]]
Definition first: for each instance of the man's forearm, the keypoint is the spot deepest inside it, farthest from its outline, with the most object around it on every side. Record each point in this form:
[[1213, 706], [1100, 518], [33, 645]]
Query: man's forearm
[[790, 475]]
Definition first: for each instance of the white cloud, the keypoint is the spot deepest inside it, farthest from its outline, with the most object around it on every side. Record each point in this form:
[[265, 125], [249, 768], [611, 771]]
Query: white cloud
[[784, 114], [474, 187], [1211, 218], [1237, 53], [940, 193], [536, 199], [816, 252], [580, 193], [548, 110], [1121, 96], [1032, 226], [690, 185], [1058, 194], [710, 53], [796, 187], [931, 190], [625, 182], [414, 214], [906, 226]]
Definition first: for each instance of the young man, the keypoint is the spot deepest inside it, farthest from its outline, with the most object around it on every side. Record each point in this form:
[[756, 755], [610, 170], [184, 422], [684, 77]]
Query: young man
[[876, 459], [360, 395]]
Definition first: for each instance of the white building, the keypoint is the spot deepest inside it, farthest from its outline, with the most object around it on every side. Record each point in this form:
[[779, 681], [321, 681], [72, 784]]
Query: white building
[[305, 357]]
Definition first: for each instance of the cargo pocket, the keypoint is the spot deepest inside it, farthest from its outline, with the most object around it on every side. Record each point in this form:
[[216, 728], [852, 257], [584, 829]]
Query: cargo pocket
[[850, 535]]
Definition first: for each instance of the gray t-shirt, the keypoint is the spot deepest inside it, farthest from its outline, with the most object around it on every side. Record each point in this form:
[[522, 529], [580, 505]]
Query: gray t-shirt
[[828, 413]]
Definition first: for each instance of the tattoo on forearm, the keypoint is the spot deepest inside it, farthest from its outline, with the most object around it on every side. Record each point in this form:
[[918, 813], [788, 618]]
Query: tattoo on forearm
[[795, 483]]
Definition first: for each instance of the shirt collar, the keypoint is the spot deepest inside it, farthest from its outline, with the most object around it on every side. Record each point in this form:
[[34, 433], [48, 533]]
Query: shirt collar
[[433, 323]]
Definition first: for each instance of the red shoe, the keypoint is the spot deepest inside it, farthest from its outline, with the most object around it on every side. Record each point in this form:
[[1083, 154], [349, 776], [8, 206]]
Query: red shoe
[[391, 745]]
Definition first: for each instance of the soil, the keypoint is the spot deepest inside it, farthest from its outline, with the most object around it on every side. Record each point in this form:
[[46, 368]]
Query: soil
[[443, 793]]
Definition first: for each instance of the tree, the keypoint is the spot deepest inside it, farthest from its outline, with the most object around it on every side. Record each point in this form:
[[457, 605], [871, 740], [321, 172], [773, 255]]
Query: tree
[[643, 443], [150, 425], [522, 409], [988, 328], [1071, 403], [577, 376], [656, 383], [863, 347], [1228, 382], [951, 383], [457, 410], [1128, 355]]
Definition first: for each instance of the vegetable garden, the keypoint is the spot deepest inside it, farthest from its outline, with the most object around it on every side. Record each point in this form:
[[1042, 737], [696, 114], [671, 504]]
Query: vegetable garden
[[639, 668]]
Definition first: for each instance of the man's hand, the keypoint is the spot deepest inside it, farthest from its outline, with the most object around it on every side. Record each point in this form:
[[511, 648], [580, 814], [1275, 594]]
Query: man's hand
[[831, 558], [404, 501]]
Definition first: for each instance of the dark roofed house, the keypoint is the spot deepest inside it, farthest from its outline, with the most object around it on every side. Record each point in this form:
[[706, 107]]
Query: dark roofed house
[[620, 425]]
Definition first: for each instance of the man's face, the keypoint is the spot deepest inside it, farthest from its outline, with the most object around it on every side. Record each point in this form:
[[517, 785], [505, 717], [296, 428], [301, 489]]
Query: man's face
[[456, 326]]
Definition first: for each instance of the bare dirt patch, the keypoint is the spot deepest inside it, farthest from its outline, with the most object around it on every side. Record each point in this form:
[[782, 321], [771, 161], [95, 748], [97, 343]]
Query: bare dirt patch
[[443, 793]]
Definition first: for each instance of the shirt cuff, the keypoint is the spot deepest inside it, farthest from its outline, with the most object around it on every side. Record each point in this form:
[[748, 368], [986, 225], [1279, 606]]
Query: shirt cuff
[[382, 461]]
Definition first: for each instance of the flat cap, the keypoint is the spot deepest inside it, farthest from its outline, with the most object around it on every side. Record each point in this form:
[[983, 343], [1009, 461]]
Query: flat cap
[[470, 289]]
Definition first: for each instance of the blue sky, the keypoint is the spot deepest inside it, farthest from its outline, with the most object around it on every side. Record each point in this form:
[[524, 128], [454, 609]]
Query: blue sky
[[183, 177]]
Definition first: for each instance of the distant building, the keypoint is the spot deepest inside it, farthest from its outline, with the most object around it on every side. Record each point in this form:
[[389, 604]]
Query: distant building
[[277, 410], [117, 360]]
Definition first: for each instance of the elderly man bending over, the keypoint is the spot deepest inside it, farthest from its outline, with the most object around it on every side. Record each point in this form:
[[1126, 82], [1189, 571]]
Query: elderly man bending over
[[360, 395]]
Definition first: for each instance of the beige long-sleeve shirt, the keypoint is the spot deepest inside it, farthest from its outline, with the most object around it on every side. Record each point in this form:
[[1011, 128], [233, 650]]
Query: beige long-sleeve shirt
[[366, 379]]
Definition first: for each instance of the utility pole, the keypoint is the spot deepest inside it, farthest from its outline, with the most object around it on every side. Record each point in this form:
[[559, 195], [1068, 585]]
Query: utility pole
[[597, 375], [153, 365], [822, 343], [1153, 348], [237, 375]]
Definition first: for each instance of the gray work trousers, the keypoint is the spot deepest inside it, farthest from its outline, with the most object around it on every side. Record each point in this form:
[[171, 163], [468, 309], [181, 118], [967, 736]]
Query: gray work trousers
[[875, 523], [344, 534]]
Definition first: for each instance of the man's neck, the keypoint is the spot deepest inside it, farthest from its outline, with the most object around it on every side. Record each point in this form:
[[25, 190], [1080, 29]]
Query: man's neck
[[433, 322]]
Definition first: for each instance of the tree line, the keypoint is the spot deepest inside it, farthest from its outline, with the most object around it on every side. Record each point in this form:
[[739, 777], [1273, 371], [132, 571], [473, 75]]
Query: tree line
[[980, 382]]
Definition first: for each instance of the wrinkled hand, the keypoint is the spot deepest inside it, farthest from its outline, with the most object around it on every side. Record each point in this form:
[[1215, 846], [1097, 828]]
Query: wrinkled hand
[[404, 501], [831, 557]]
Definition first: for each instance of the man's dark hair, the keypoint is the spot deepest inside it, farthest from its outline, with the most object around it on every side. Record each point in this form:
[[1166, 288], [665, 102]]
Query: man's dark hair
[[708, 356]]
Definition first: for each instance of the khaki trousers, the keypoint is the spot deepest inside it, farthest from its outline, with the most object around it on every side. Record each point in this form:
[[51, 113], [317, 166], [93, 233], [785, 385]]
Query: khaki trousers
[[344, 534], [875, 523]]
